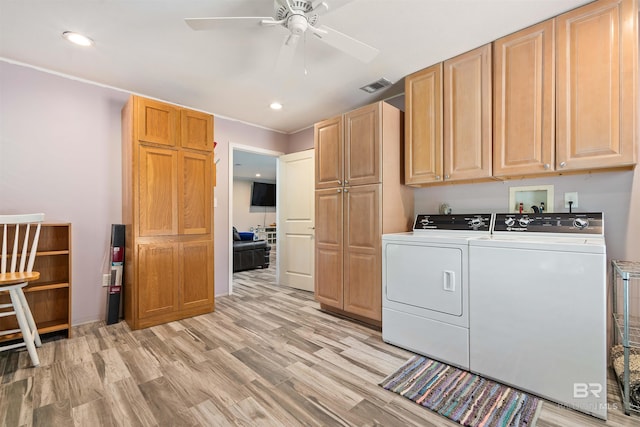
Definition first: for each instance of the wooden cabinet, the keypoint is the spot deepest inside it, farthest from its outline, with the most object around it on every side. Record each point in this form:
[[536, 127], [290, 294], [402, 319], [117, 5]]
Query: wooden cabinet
[[359, 196], [49, 297], [423, 134], [448, 129], [329, 148], [523, 102], [467, 115], [167, 209], [597, 67]]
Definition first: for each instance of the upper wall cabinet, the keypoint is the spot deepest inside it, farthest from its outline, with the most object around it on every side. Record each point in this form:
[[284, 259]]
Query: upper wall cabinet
[[329, 142], [157, 122], [423, 126], [448, 125], [197, 130], [467, 115], [523, 102], [596, 79]]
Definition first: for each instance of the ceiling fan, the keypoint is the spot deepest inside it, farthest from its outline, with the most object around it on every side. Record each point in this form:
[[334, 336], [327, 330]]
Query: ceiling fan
[[298, 17]]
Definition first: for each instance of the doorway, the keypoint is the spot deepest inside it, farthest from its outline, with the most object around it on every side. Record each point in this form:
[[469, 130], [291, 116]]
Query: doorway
[[254, 160]]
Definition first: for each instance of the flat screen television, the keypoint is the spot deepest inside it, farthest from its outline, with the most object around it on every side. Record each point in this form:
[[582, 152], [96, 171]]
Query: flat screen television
[[263, 194]]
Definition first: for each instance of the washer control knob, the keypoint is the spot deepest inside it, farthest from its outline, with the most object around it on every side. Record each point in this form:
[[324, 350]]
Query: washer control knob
[[524, 221], [581, 223], [510, 222], [476, 222]]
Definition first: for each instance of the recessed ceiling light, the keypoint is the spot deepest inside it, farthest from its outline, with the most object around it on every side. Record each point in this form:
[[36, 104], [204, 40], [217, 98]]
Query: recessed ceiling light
[[276, 106], [77, 38], [258, 175]]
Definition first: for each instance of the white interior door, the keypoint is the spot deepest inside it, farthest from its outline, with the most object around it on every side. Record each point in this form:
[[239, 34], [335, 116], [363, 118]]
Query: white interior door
[[296, 220]]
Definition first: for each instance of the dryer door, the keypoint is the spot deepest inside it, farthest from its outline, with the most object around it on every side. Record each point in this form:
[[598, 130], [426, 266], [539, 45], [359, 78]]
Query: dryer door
[[426, 277]]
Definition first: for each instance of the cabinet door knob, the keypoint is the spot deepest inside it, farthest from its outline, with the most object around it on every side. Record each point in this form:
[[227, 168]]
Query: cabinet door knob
[[346, 190], [346, 182], [339, 190], [437, 176], [339, 182], [547, 166], [563, 164], [446, 177]]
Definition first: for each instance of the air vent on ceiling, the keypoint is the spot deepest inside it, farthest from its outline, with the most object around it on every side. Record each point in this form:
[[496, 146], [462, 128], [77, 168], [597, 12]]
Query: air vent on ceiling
[[376, 86]]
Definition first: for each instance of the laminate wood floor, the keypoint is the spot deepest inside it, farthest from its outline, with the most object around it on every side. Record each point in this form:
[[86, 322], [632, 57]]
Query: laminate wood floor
[[266, 357]]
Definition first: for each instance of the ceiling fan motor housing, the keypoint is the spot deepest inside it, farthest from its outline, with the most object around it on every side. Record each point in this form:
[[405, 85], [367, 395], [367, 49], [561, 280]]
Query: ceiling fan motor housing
[[297, 24], [298, 21]]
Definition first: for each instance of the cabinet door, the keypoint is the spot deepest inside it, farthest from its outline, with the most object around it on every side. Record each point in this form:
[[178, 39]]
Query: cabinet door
[[597, 85], [329, 148], [328, 247], [157, 122], [157, 279], [423, 123], [195, 188], [158, 198], [524, 105], [196, 267], [196, 130], [362, 253], [467, 115], [362, 158]]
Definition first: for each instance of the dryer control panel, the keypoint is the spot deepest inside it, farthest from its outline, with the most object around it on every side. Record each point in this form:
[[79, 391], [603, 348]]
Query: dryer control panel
[[463, 222], [589, 223]]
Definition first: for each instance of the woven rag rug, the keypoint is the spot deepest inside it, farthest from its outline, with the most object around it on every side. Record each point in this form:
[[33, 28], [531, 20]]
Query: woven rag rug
[[617, 357], [461, 396]]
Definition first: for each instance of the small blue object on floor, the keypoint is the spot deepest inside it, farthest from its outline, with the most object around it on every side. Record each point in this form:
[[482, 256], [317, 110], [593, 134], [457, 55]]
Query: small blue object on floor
[[461, 396]]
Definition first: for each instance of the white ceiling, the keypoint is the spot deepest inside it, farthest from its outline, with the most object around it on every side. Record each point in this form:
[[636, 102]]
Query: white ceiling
[[144, 46], [246, 165]]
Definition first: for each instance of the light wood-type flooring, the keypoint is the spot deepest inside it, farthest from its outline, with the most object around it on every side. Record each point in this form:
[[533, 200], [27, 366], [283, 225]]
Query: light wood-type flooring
[[266, 357]]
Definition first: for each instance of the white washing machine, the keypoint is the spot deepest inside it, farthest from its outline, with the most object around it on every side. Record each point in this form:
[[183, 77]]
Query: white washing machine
[[425, 286], [538, 307]]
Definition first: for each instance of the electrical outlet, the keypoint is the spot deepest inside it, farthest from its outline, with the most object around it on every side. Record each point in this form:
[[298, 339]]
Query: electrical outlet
[[106, 280], [573, 197]]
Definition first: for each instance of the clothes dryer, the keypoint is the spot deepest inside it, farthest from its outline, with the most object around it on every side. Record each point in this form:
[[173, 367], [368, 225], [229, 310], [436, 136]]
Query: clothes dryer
[[425, 285]]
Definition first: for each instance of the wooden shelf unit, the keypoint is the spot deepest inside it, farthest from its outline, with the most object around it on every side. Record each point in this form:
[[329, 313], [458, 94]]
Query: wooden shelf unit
[[49, 297]]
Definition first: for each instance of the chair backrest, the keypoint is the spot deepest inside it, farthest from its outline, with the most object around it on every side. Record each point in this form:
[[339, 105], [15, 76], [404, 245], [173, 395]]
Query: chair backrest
[[11, 232]]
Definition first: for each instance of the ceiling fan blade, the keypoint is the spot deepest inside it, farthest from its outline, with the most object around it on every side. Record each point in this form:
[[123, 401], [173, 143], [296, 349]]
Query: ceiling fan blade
[[285, 56], [200, 24], [333, 5], [348, 45]]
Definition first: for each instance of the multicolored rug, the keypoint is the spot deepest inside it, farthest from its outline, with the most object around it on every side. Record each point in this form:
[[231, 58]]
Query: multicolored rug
[[461, 396]]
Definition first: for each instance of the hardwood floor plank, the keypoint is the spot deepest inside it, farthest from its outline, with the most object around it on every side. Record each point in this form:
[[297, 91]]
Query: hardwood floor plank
[[208, 414], [330, 390], [16, 403], [141, 364], [51, 385], [56, 414], [253, 414], [160, 396], [263, 366], [110, 366], [95, 413], [84, 383], [128, 404]]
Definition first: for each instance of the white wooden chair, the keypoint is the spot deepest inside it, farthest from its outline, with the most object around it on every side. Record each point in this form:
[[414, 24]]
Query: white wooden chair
[[16, 271]]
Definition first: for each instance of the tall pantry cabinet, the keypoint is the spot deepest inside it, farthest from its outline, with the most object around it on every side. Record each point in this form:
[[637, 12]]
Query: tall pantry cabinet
[[359, 196], [168, 168]]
